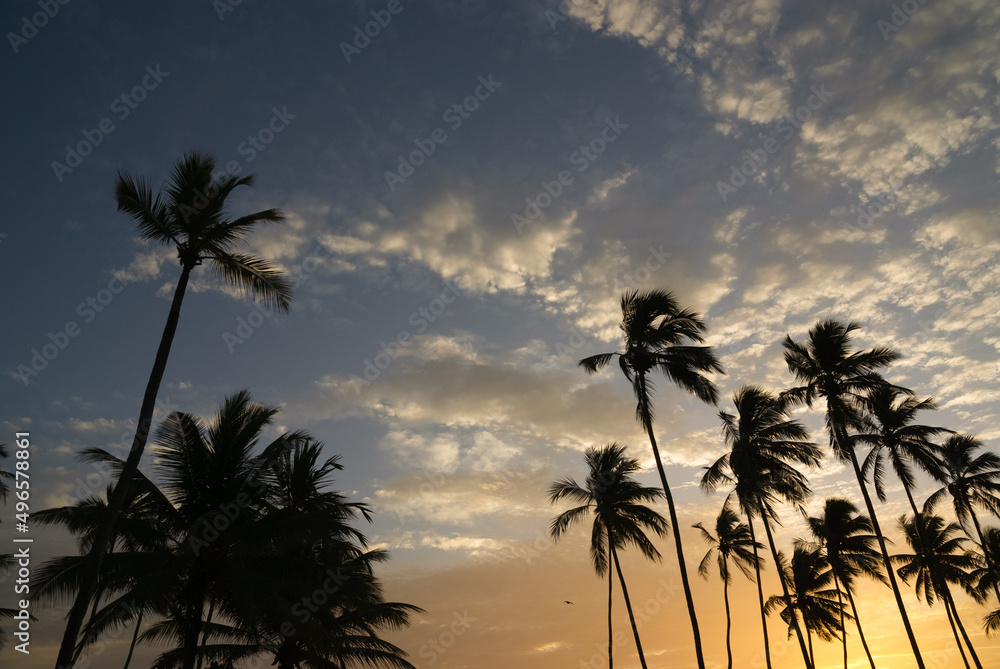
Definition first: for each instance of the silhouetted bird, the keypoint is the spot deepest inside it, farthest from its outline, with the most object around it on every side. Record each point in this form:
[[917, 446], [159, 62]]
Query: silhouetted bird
[[567, 601]]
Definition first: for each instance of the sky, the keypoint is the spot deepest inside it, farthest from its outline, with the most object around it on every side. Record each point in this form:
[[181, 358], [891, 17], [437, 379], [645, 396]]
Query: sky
[[468, 189]]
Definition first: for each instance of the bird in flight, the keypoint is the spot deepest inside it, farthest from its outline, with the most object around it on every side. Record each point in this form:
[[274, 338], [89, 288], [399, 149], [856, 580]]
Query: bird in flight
[[567, 601]]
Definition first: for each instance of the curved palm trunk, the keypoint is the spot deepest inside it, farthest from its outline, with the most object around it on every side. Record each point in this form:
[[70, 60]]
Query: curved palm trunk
[[92, 565], [135, 638], [954, 631], [628, 605], [192, 624], [729, 624], [857, 620], [841, 438], [982, 544], [760, 593], [806, 653], [840, 605], [958, 621], [675, 526]]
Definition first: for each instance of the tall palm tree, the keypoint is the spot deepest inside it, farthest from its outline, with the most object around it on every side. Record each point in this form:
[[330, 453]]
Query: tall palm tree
[[847, 544], [657, 335], [190, 215], [811, 597], [732, 542], [763, 440], [972, 480], [617, 502], [938, 559], [986, 576], [887, 417], [831, 370]]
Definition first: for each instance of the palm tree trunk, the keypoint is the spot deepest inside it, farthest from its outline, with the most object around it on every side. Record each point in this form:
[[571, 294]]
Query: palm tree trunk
[[192, 621], [760, 593], [842, 439], [729, 622], [982, 544], [840, 605], [857, 620], [954, 631], [92, 565], [961, 627], [204, 636], [611, 581], [675, 526], [812, 660], [135, 638], [628, 604], [806, 655]]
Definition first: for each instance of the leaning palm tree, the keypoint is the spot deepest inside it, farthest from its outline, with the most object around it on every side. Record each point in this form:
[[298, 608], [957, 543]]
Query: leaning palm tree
[[938, 559], [732, 542], [831, 370], [620, 517], [763, 441], [658, 336], [811, 599], [845, 538], [986, 577], [972, 480], [190, 215]]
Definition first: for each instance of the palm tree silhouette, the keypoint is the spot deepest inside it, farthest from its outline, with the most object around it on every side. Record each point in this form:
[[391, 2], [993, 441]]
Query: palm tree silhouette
[[763, 440], [972, 480], [938, 558], [230, 543], [888, 415], [620, 517], [811, 597], [846, 541], [191, 215], [732, 541], [832, 371], [657, 332], [987, 577]]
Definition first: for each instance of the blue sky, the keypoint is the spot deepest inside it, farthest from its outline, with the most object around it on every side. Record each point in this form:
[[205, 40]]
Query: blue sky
[[772, 163]]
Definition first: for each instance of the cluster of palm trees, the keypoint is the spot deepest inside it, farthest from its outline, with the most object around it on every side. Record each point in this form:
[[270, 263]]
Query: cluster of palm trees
[[235, 555], [761, 470]]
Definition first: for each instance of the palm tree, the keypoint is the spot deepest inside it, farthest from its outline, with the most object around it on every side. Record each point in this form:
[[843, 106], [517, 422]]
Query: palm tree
[[732, 541], [244, 537], [972, 481], [657, 335], [987, 576], [763, 440], [888, 415], [620, 517], [938, 558], [847, 544], [832, 371], [811, 597], [190, 215]]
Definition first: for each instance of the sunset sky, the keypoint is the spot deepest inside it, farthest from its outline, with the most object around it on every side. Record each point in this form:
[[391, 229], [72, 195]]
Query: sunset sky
[[467, 194]]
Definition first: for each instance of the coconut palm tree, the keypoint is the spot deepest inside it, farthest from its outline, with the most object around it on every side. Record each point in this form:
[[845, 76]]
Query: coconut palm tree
[[617, 502], [938, 559], [658, 337], [986, 577], [731, 542], [847, 544], [972, 479], [887, 415], [811, 597], [763, 440], [190, 215], [232, 543], [831, 370]]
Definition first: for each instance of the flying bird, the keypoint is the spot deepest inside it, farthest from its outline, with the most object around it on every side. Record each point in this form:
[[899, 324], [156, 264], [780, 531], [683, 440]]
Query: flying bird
[[567, 601]]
